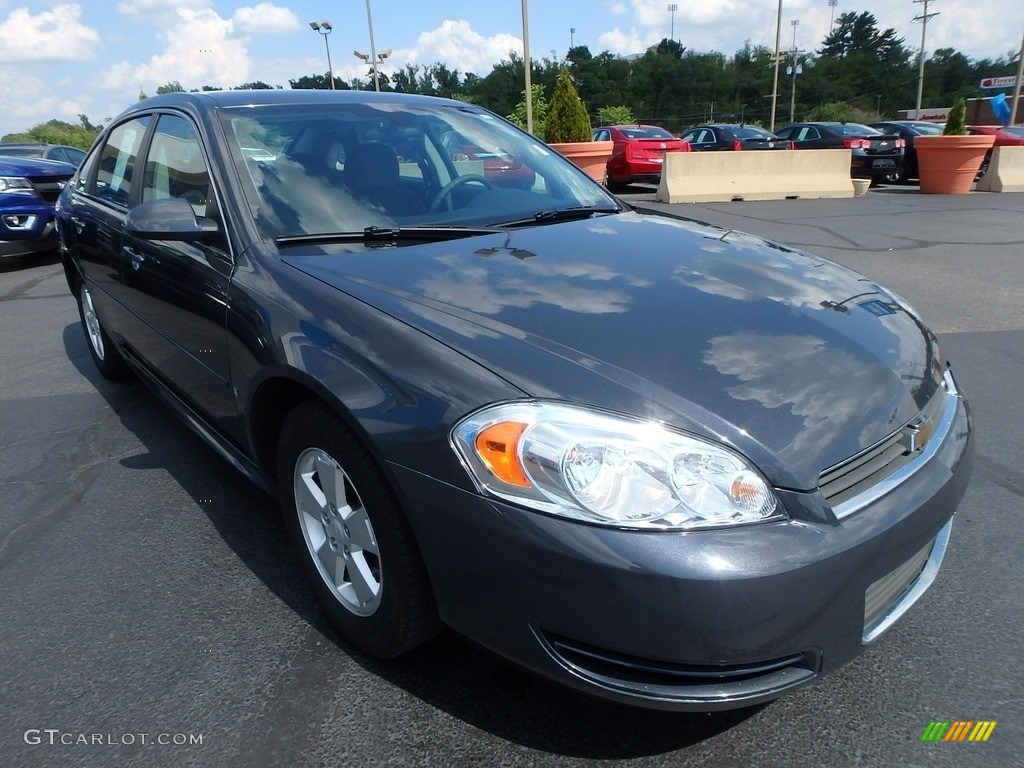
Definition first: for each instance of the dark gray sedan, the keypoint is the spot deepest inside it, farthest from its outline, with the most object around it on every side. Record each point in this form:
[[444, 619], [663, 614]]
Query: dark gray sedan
[[661, 462]]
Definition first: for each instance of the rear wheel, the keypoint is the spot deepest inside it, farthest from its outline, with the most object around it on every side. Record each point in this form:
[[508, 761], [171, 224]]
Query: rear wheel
[[108, 360], [615, 187], [356, 546]]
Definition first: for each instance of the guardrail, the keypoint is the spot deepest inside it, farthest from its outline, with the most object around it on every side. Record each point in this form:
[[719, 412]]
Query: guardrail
[[710, 177], [1005, 171]]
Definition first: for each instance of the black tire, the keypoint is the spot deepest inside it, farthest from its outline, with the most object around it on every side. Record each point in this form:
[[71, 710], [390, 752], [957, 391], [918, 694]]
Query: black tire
[[357, 549], [615, 187], [107, 358]]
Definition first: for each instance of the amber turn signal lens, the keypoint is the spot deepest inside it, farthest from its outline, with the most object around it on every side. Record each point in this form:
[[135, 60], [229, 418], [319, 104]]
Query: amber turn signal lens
[[497, 445]]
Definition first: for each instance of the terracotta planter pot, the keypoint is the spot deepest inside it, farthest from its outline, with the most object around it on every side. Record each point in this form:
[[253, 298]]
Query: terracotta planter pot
[[948, 164], [589, 156]]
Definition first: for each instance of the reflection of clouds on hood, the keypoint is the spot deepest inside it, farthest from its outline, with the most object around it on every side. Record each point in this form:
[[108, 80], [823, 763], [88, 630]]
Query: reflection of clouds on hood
[[826, 386], [795, 280], [476, 288], [463, 290]]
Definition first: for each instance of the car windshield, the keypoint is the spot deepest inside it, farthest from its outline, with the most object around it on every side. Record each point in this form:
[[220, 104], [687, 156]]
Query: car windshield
[[322, 169], [927, 129], [646, 132], [1014, 131], [856, 129]]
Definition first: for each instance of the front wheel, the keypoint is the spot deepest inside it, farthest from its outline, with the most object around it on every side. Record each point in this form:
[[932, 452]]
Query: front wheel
[[356, 546], [105, 355]]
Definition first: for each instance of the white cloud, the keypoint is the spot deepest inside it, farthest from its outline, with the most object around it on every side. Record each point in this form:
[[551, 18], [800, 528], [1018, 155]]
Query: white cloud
[[623, 43], [198, 50], [456, 42], [28, 101], [148, 9], [265, 18], [50, 35]]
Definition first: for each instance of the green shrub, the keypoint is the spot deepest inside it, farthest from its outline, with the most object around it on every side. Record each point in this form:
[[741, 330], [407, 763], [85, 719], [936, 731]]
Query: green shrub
[[567, 120], [955, 122], [540, 111], [616, 116]]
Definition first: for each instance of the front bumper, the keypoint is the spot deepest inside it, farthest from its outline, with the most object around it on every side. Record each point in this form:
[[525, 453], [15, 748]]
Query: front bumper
[[686, 621], [26, 229]]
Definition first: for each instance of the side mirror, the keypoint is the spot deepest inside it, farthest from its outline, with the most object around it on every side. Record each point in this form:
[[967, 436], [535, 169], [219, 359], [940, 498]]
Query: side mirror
[[169, 218]]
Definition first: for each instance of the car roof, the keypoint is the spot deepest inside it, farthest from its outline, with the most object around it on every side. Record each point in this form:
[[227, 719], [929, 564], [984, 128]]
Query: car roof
[[268, 97]]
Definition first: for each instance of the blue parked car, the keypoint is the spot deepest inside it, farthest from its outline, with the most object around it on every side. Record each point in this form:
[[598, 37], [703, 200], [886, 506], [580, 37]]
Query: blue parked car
[[28, 190]]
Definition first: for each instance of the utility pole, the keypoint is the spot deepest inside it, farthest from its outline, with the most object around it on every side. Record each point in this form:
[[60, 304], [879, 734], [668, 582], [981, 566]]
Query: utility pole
[[923, 18], [1016, 87], [775, 87], [794, 70]]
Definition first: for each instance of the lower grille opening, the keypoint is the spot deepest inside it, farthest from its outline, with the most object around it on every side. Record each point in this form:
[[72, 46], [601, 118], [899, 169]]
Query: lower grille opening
[[707, 684]]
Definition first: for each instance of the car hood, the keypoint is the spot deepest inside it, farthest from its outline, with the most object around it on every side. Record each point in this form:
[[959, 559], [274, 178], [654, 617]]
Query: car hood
[[34, 167], [790, 358]]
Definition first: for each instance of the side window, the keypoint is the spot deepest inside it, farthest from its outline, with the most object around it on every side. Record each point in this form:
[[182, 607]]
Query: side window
[[175, 165], [117, 162], [812, 133], [602, 135]]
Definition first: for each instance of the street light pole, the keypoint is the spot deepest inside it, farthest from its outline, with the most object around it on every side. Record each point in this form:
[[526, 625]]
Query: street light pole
[[775, 87], [526, 67], [373, 50], [672, 8], [324, 28]]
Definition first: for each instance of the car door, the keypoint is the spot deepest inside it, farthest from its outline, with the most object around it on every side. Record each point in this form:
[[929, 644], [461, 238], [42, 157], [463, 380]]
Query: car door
[[179, 289], [99, 201]]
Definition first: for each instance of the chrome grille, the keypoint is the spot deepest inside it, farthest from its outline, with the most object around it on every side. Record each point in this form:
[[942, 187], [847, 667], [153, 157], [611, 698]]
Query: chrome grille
[[49, 187], [846, 480], [884, 592]]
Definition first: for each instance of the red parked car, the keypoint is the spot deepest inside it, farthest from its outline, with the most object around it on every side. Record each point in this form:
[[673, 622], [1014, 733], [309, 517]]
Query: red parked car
[[500, 167], [1006, 136], [638, 154]]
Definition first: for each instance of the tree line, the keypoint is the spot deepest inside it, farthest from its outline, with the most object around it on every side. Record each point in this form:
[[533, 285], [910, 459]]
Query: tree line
[[860, 72]]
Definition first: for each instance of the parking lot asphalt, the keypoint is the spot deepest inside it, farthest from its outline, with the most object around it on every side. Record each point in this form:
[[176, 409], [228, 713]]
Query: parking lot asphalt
[[149, 597]]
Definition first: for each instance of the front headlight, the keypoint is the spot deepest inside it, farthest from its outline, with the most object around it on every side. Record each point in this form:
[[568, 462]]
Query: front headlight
[[602, 468], [16, 185]]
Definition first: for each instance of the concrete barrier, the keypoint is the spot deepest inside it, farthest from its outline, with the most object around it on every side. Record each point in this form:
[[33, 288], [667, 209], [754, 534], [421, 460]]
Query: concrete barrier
[[1005, 171], [710, 177]]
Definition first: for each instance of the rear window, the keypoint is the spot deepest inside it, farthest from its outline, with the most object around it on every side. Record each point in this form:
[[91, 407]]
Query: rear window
[[751, 132], [647, 132], [856, 129]]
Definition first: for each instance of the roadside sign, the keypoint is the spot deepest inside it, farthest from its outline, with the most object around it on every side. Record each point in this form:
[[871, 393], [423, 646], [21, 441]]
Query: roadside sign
[[999, 82]]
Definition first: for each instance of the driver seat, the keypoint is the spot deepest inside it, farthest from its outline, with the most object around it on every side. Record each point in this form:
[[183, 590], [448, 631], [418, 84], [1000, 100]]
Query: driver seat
[[371, 174]]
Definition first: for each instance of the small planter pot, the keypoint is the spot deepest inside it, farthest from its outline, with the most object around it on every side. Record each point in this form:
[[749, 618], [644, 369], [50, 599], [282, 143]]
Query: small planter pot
[[947, 165], [590, 156]]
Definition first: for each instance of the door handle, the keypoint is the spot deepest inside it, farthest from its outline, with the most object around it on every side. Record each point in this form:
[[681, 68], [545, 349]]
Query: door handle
[[137, 258], [79, 224]]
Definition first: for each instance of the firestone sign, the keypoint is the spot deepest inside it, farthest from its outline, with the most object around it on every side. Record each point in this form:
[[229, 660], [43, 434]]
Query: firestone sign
[[999, 82]]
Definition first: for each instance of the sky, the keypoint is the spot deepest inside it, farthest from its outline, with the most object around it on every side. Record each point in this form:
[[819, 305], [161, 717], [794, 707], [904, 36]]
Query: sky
[[64, 58]]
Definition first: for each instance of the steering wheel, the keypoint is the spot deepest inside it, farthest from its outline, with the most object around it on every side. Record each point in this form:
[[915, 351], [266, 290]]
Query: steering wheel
[[445, 193]]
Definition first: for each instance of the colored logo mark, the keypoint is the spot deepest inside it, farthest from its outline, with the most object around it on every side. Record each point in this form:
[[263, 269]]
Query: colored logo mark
[[958, 730]]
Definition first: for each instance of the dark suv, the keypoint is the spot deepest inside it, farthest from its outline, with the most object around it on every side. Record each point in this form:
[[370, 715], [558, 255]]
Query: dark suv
[[28, 190]]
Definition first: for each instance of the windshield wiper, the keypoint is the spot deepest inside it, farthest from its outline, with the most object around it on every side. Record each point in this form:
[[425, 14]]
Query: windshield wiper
[[388, 235], [549, 215]]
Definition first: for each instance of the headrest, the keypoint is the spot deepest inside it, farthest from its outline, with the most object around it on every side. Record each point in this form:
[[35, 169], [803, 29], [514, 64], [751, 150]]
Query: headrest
[[371, 166]]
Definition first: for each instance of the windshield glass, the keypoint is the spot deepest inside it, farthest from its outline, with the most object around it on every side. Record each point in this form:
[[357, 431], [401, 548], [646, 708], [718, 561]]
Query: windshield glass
[[342, 167]]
